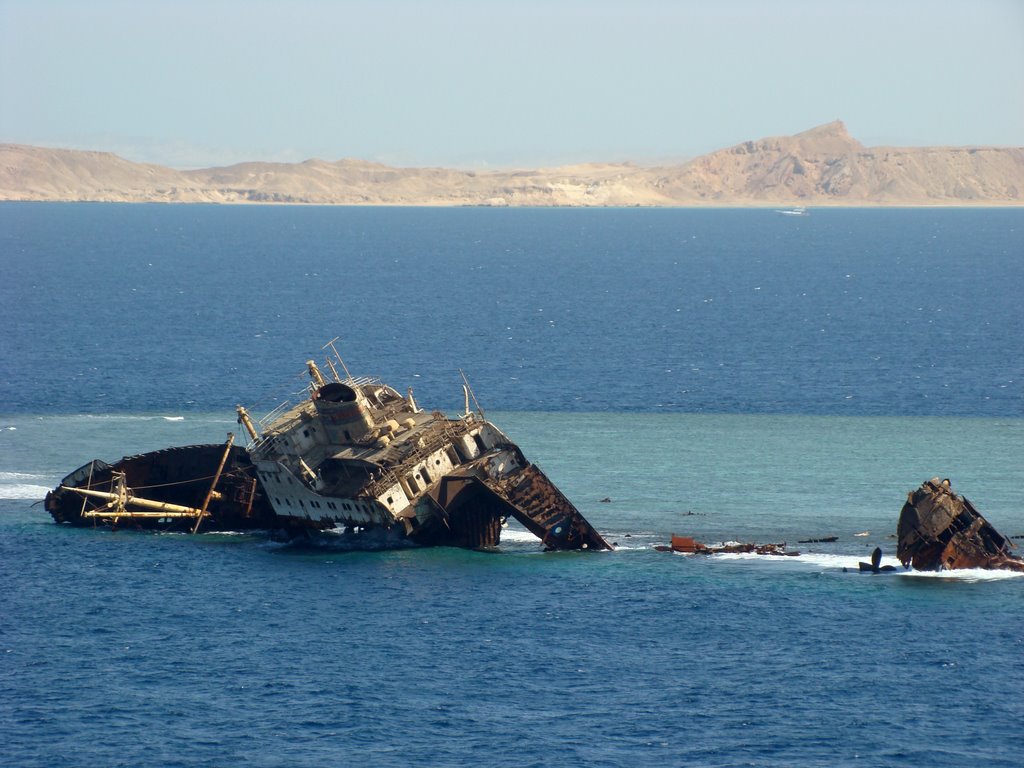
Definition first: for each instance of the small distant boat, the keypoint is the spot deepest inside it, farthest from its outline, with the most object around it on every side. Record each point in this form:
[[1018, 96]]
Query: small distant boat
[[798, 211]]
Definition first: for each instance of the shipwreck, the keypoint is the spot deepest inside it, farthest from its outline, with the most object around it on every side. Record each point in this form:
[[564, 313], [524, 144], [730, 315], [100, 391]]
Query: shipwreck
[[941, 530], [354, 457], [687, 545]]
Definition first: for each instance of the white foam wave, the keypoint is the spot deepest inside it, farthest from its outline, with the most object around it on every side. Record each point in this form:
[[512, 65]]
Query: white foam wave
[[518, 535], [843, 561], [211, 534], [23, 491], [8, 476], [628, 545], [205, 418], [116, 417], [808, 558], [964, 574], [509, 535], [851, 563], [23, 485], [817, 559]]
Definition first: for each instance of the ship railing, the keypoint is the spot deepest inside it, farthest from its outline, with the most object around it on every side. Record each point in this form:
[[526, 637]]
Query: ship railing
[[432, 441], [448, 434], [274, 414], [393, 411], [380, 484], [456, 428], [270, 419]]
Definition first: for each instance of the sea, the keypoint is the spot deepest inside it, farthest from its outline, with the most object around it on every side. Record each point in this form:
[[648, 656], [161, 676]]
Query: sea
[[726, 374]]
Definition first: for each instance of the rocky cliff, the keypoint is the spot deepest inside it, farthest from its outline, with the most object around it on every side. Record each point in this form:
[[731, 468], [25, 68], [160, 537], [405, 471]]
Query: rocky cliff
[[822, 166]]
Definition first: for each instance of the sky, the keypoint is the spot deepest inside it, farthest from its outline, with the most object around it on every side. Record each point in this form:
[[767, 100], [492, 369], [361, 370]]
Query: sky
[[488, 84]]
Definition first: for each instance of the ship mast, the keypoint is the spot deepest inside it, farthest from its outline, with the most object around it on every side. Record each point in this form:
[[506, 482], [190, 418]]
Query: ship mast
[[246, 421], [469, 393], [348, 376]]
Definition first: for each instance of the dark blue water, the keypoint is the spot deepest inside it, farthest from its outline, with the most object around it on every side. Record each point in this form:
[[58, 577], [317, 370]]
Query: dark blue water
[[895, 312], [141, 650], [718, 372]]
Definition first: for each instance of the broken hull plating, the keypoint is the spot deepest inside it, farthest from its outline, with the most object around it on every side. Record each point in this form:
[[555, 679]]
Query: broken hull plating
[[940, 530], [176, 476], [467, 507]]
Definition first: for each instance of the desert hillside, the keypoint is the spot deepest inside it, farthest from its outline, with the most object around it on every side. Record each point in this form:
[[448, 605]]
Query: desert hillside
[[822, 166]]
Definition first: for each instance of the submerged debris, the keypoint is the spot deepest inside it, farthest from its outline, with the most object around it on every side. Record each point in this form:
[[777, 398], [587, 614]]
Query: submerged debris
[[688, 545], [940, 530]]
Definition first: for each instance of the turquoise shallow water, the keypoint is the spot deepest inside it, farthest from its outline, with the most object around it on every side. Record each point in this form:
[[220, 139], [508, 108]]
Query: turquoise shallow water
[[726, 476], [761, 476]]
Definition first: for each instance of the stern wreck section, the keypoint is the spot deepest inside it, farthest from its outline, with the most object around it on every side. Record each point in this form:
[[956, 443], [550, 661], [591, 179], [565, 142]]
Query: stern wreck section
[[940, 530], [175, 489]]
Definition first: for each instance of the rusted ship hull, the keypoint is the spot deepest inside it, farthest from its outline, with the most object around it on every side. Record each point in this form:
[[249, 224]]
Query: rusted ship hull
[[353, 456], [218, 488], [940, 530], [471, 507], [173, 477]]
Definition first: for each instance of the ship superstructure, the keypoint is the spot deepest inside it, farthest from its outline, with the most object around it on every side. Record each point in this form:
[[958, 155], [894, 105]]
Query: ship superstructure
[[358, 455]]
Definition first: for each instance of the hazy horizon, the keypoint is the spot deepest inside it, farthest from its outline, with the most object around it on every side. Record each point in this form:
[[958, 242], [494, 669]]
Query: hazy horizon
[[457, 84]]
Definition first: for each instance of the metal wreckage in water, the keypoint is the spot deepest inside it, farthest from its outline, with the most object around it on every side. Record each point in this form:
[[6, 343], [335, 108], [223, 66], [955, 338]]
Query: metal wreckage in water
[[938, 530], [941, 530], [355, 457]]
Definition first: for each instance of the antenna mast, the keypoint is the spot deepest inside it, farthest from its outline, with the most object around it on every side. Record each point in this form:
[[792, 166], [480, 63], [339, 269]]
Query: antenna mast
[[348, 376], [469, 390]]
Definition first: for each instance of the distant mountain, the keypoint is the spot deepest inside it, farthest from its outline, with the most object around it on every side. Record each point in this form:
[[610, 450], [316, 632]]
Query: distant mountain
[[822, 166], [825, 165]]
